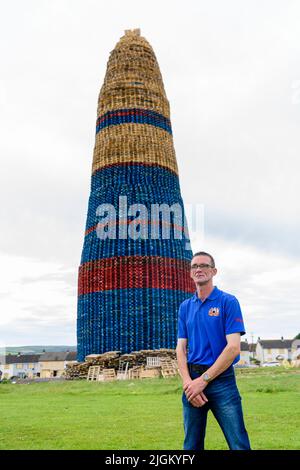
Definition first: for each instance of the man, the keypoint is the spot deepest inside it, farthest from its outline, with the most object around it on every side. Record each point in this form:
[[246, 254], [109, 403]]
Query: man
[[210, 325]]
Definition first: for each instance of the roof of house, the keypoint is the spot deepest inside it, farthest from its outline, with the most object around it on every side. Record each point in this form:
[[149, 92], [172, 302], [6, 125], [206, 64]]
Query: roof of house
[[244, 346], [275, 343], [20, 358], [72, 356], [58, 356]]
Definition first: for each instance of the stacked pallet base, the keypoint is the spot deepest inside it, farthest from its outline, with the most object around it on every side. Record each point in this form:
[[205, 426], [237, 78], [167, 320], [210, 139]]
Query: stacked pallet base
[[109, 366]]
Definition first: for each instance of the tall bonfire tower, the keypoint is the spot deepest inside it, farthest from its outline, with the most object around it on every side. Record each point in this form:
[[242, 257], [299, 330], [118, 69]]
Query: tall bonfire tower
[[134, 268]]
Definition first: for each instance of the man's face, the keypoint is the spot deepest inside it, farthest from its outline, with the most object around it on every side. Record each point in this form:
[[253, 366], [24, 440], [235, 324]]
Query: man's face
[[201, 270]]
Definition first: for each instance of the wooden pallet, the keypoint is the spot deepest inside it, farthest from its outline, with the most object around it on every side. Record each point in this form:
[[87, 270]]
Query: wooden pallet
[[109, 374], [153, 361], [93, 373], [134, 372], [122, 373], [168, 368], [175, 365], [168, 372], [150, 373]]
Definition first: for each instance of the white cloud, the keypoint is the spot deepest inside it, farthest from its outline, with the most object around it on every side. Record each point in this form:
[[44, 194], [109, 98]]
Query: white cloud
[[38, 301]]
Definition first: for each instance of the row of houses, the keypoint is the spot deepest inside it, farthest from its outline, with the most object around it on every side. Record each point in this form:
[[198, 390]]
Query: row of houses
[[270, 350], [46, 365], [53, 364]]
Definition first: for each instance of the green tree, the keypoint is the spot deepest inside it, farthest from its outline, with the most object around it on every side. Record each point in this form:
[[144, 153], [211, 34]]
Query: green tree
[[298, 336]]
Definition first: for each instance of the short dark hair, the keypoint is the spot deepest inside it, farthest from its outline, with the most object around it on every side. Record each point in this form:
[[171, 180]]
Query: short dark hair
[[203, 253]]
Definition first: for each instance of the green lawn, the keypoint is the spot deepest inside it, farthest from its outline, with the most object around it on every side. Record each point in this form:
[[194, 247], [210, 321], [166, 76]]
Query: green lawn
[[142, 414]]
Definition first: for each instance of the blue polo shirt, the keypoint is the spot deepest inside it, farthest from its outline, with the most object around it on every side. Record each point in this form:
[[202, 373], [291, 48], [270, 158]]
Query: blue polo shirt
[[206, 324]]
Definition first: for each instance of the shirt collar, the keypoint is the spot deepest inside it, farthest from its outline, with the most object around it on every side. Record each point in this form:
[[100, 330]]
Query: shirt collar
[[212, 296]]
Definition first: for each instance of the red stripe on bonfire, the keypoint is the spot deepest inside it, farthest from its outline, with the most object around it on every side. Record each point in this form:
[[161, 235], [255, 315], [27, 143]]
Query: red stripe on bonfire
[[165, 167], [140, 272]]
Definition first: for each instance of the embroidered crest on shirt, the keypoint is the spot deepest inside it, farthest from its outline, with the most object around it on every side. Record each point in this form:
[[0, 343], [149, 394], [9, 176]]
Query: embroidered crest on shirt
[[214, 312]]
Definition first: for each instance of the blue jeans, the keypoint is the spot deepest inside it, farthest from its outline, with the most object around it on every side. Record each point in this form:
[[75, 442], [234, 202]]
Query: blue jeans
[[224, 401]]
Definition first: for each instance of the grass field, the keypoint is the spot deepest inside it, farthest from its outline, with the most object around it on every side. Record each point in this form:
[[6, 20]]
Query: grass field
[[142, 414]]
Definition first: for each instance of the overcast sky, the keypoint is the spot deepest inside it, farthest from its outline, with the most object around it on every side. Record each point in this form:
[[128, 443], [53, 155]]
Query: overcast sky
[[232, 76]]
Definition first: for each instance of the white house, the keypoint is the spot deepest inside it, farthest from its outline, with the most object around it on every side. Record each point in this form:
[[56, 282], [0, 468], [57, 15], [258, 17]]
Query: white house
[[53, 364], [20, 365], [270, 350], [245, 354]]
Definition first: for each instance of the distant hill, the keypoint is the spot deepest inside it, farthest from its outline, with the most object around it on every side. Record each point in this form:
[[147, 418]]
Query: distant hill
[[35, 349]]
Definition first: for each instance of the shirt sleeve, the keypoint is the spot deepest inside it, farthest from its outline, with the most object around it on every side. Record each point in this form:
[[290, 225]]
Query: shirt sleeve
[[182, 330], [234, 322]]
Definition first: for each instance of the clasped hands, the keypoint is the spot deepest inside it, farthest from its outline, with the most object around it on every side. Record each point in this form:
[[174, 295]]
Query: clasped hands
[[194, 391]]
